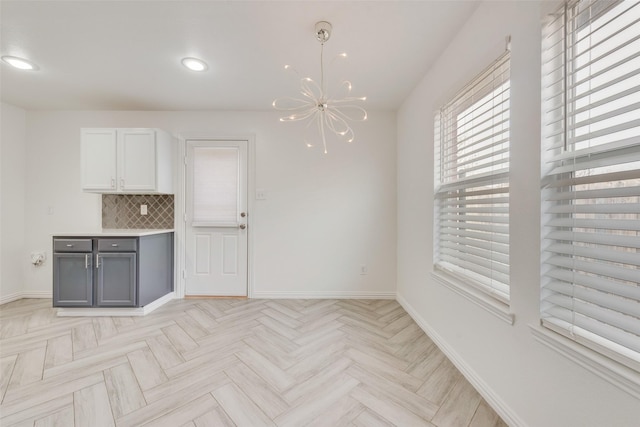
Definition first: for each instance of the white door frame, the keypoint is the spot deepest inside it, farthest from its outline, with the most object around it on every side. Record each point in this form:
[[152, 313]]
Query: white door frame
[[180, 203]]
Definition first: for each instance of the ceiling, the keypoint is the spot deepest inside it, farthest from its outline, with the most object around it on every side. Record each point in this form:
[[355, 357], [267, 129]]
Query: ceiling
[[125, 55]]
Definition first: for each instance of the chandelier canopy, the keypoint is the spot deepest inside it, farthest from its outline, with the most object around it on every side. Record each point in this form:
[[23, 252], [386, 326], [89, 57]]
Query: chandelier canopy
[[329, 111]]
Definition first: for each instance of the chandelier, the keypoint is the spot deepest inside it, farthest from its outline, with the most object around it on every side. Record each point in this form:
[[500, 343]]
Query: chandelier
[[331, 112]]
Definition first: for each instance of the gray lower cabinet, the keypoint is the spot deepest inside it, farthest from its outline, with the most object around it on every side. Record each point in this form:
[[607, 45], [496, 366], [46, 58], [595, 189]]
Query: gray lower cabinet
[[73, 274], [112, 272], [116, 282]]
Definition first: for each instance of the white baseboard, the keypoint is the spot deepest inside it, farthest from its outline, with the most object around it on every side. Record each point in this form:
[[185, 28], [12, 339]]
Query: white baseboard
[[505, 412], [10, 298], [37, 294], [154, 305], [24, 294], [323, 295], [114, 311]]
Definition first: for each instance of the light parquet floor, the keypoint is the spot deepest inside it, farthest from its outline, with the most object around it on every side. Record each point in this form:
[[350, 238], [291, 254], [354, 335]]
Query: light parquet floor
[[230, 362]]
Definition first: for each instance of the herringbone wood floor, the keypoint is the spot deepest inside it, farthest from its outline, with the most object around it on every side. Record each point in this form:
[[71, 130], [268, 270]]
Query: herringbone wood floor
[[230, 362]]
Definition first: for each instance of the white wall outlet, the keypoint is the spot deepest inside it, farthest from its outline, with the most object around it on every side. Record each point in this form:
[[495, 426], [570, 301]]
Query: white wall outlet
[[261, 194], [143, 209], [364, 269]]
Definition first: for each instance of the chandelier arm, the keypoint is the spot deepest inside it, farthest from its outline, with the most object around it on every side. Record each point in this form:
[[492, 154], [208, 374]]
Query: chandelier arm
[[298, 111], [350, 135], [360, 114], [347, 99], [342, 55], [309, 122], [343, 90], [332, 120], [346, 116], [310, 97], [347, 133], [298, 117], [308, 130], [307, 86], [293, 70], [303, 103], [324, 139]]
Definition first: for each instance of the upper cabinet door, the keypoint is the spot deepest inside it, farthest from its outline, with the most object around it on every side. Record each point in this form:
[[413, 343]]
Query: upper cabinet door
[[98, 153], [137, 160]]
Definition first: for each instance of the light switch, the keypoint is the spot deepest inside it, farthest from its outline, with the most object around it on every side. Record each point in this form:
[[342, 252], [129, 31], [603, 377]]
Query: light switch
[[143, 209]]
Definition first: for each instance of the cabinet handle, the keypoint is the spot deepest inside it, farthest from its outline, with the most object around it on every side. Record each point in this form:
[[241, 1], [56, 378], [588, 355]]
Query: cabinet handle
[[97, 261], [113, 183], [69, 246], [115, 245], [122, 183], [86, 261]]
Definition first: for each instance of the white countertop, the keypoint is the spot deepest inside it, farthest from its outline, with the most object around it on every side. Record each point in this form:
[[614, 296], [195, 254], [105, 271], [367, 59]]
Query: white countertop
[[113, 232]]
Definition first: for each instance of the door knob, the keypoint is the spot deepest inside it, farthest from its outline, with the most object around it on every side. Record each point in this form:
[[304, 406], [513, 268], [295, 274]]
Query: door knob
[[242, 226], [243, 214]]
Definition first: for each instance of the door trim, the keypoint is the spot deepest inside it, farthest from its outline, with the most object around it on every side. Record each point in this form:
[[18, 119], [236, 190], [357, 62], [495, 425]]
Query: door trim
[[180, 202]]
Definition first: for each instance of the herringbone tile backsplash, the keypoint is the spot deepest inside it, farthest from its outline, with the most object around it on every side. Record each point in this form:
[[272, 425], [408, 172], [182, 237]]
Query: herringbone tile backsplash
[[123, 211]]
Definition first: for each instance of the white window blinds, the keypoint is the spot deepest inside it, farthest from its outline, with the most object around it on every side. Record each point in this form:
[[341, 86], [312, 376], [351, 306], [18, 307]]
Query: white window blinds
[[591, 176], [215, 186], [472, 182]]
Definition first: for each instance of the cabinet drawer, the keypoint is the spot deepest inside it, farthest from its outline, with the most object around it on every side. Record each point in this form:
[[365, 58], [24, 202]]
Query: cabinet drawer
[[72, 245], [117, 245]]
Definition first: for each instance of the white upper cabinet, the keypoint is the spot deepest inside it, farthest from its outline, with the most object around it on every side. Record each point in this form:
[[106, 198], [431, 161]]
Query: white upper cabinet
[[137, 156], [98, 159], [126, 161]]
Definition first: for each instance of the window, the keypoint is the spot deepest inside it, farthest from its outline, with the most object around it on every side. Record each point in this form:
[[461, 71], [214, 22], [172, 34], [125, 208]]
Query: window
[[591, 177], [472, 184], [215, 186]]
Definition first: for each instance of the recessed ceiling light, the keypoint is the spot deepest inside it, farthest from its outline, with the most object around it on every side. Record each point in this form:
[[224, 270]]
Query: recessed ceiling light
[[20, 63], [194, 64]]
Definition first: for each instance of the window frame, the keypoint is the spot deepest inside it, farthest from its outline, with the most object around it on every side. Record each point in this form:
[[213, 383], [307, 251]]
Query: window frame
[[493, 77], [598, 353]]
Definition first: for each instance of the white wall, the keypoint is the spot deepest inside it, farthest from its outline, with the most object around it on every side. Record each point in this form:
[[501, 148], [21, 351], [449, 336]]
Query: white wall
[[12, 185], [325, 215], [533, 385]]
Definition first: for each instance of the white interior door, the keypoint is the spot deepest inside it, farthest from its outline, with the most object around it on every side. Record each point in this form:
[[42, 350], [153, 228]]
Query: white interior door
[[216, 218]]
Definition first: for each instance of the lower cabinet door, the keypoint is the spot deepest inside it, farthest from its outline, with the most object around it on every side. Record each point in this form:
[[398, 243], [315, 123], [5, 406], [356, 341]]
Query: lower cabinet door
[[116, 284], [72, 280]]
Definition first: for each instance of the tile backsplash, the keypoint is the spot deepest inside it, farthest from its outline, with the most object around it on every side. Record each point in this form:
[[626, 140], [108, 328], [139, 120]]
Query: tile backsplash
[[123, 211]]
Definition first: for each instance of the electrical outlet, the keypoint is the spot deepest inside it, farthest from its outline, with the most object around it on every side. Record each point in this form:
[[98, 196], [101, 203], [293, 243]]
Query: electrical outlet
[[38, 258], [143, 209], [364, 269], [261, 194]]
